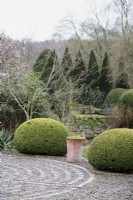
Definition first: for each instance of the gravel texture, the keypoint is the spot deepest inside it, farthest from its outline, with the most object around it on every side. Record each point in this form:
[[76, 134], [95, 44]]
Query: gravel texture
[[27, 177]]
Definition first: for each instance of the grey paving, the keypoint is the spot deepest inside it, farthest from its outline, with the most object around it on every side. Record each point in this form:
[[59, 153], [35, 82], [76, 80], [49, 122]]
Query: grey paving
[[37, 177], [50, 178]]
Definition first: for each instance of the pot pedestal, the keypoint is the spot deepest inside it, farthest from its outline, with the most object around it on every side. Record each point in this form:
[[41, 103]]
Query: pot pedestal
[[74, 149]]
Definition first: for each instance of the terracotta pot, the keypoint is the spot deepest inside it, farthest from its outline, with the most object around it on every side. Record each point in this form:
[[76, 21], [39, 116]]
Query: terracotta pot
[[74, 149]]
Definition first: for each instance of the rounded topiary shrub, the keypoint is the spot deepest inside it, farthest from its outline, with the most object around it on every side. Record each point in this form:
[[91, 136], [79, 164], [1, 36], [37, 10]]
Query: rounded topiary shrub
[[113, 96], [41, 136], [126, 108], [126, 98], [112, 150]]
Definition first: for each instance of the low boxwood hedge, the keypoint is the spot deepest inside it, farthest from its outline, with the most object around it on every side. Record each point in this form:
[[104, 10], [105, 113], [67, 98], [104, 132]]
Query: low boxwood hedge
[[84, 122]]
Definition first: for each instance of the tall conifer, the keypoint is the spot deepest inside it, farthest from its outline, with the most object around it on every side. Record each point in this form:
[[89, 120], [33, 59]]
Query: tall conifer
[[122, 80], [44, 64], [78, 72], [106, 80], [93, 72], [67, 63]]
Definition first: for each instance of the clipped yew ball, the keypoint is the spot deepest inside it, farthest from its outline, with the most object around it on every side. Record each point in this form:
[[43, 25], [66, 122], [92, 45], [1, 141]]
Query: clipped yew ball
[[112, 150], [126, 108], [113, 96], [127, 98], [41, 136]]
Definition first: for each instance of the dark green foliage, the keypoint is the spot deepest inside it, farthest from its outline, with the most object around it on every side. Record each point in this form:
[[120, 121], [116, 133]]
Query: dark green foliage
[[126, 108], [49, 68], [78, 72], [60, 99], [105, 81], [53, 75], [127, 98], [113, 96], [78, 76], [112, 150], [94, 97], [41, 136], [10, 114], [122, 80], [93, 72], [67, 63], [43, 60], [45, 63], [6, 141], [91, 81]]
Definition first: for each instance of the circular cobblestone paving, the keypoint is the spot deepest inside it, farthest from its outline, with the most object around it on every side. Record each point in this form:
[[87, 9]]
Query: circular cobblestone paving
[[37, 177]]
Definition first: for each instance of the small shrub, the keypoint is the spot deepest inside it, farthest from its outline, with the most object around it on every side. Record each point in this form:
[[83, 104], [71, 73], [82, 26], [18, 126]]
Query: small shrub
[[85, 153], [114, 120], [75, 136], [112, 150], [41, 136], [6, 139], [113, 97], [94, 97], [10, 113], [126, 108]]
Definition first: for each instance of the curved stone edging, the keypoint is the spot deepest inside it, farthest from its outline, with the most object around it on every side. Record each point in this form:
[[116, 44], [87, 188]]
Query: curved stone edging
[[91, 178], [29, 177]]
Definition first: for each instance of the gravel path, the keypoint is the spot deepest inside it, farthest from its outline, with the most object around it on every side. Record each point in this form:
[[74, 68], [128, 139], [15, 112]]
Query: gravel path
[[49, 178]]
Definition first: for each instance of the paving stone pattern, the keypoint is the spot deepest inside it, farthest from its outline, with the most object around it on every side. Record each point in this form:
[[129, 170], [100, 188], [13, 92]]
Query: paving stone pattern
[[36, 177], [52, 178]]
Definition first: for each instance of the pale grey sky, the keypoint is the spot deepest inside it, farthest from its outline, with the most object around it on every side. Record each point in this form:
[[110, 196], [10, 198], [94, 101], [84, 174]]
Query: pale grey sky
[[38, 19]]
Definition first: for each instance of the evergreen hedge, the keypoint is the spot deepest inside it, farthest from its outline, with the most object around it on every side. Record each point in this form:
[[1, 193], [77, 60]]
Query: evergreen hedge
[[106, 79]]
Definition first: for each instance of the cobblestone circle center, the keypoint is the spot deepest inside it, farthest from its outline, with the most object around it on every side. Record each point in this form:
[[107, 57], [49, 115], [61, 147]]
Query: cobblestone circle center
[[37, 177]]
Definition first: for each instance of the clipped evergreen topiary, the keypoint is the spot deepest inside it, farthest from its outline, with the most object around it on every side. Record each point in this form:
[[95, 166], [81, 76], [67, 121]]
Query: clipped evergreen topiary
[[78, 72], [42, 60], [112, 150], [113, 96], [93, 72], [78, 76], [45, 63], [105, 81], [127, 98], [122, 79], [67, 63], [126, 108], [41, 136]]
